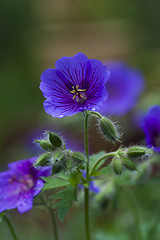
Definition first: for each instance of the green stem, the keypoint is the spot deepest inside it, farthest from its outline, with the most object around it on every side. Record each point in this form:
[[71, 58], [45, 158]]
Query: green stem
[[97, 114], [10, 227], [135, 212], [104, 156], [86, 145], [86, 194], [86, 190], [53, 218]]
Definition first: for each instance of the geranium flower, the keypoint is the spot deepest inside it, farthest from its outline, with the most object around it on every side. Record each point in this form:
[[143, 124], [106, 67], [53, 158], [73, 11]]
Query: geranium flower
[[20, 184], [76, 84], [151, 127], [124, 87], [92, 186]]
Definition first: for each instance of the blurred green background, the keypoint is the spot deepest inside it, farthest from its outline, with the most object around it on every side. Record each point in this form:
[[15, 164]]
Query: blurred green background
[[34, 34]]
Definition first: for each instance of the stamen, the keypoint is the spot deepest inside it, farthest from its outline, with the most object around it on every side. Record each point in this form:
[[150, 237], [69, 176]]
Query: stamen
[[76, 91]]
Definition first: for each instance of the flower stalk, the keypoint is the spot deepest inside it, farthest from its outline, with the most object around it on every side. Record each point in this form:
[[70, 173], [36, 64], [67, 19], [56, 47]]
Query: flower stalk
[[86, 190], [53, 218], [10, 227]]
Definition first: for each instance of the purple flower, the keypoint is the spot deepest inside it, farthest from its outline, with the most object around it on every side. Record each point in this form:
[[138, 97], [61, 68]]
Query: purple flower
[[76, 84], [151, 127], [124, 87], [92, 185], [20, 184]]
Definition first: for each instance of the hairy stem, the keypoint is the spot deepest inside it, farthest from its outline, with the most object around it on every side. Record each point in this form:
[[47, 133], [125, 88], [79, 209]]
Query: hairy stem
[[10, 227], [103, 157], [86, 190], [53, 218]]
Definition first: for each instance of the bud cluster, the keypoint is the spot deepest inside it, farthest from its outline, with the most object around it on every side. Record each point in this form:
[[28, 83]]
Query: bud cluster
[[57, 157], [126, 157], [51, 144], [67, 160]]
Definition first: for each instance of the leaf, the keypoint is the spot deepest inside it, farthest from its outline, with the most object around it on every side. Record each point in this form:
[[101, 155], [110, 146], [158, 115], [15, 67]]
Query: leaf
[[52, 182], [66, 196], [107, 170], [94, 158]]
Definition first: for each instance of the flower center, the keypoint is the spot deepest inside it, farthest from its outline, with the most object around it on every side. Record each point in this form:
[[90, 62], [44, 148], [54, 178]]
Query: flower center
[[25, 181], [79, 94]]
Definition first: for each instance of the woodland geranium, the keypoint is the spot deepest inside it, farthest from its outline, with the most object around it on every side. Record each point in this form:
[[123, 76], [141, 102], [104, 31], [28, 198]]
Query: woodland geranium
[[76, 84], [124, 87], [20, 184], [151, 127]]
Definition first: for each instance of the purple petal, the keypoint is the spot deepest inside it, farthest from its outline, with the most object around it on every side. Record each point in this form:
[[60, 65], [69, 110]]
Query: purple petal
[[124, 87], [151, 127], [25, 203], [93, 187], [73, 68], [37, 187]]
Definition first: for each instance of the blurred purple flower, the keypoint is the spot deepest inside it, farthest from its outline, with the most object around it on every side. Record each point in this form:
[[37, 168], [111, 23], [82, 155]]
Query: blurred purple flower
[[76, 84], [124, 87], [151, 127], [92, 185], [20, 184]]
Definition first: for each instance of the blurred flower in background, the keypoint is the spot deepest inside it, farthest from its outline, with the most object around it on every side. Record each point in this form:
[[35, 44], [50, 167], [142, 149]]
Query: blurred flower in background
[[124, 87], [151, 127], [20, 184]]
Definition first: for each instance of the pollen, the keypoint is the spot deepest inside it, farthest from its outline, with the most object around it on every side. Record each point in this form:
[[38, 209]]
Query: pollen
[[78, 92]]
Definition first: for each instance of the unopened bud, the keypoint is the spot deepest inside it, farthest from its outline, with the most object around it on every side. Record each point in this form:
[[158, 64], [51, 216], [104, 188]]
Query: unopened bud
[[138, 151], [129, 164], [55, 140], [117, 166], [78, 157], [108, 129], [56, 168], [45, 144], [44, 159]]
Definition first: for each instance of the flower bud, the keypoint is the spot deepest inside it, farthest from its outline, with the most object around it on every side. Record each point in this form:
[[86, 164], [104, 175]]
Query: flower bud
[[56, 168], [117, 166], [108, 129], [129, 164], [44, 159], [138, 151], [55, 140], [78, 157], [45, 144]]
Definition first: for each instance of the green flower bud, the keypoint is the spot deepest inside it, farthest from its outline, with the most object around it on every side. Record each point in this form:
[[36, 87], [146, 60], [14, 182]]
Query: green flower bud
[[55, 140], [56, 168], [78, 157], [129, 164], [44, 159], [45, 144], [117, 166], [138, 151], [108, 129]]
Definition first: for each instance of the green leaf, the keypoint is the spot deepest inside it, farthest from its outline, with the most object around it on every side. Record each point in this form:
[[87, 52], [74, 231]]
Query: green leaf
[[107, 170], [52, 182], [94, 158], [66, 196], [1, 216]]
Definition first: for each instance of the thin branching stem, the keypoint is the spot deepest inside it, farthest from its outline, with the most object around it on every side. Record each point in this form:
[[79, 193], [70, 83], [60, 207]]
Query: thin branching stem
[[10, 227], [102, 158]]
